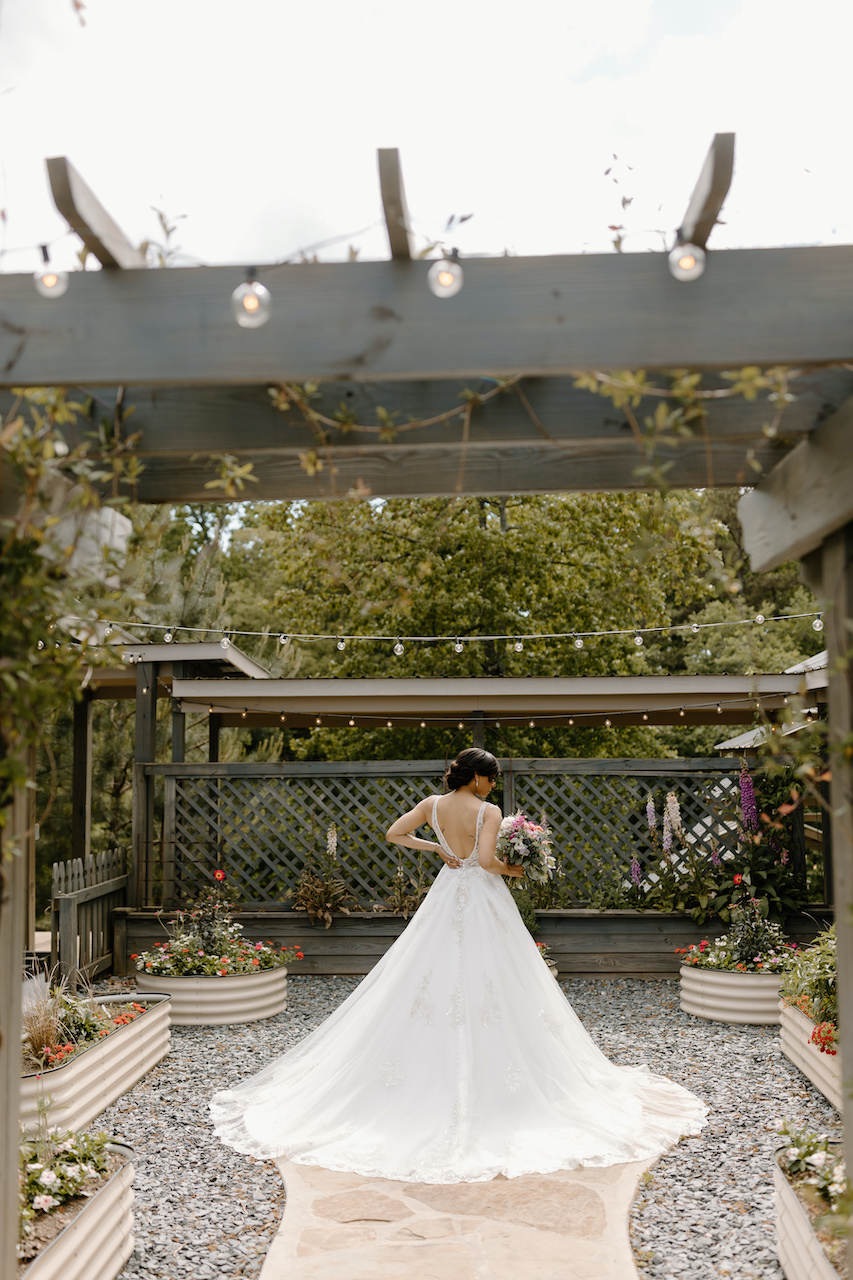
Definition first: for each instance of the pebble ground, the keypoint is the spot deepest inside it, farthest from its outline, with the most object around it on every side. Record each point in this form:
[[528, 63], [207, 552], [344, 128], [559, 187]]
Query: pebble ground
[[705, 1210]]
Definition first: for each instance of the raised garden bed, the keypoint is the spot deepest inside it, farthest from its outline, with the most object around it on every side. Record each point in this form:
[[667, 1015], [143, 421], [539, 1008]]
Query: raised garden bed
[[823, 1069], [725, 995], [584, 943], [220, 1001], [798, 1249], [80, 1089], [98, 1238]]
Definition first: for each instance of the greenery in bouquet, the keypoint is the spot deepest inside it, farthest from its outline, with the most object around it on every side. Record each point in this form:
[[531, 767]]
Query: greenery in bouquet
[[522, 842], [810, 985], [55, 1168], [205, 940], [753, 944], [702, 873], [816, 1168], [57, 1025]]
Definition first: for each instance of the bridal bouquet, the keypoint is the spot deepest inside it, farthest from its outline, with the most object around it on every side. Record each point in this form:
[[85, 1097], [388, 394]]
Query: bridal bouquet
[[522, 842]]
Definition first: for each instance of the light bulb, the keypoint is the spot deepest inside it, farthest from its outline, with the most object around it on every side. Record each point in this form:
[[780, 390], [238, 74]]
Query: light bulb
[[210, 710], [578, 642], [638, 639], [251, 304], [759, 618], [108, 630], [681, 711], [719, 709], [167, 638], [388, 724], [341, 645], [445, 278], [785, 700], [41, 644], [318, 720], [423, 724], [532, 724], [808, 717], [607, 724], [49, 283], [243, 714], [282, 717], [458, 647], [571, 720], [145, 687], [645, 715], [518, 646], [282, 638], [399, 649], [695, 628], [686, 262], [817, 625], [351, 722], [225, 643]]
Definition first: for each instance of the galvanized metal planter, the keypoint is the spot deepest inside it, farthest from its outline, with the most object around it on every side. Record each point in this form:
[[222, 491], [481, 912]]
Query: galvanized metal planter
[[725, 995], [98, 1242], [81, 1089], [823, 1069], [797, 1247], [220, 1001]]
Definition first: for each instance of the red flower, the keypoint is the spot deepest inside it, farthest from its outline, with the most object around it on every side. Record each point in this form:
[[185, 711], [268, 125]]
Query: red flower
[[737, 879], [219, 875]]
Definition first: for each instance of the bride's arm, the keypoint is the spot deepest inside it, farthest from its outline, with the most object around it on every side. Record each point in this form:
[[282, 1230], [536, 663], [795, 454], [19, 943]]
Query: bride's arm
[[400, 832], [488, 840]]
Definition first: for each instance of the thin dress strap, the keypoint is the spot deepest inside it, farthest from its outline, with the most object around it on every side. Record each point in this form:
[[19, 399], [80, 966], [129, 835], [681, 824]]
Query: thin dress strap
[[443, 842]]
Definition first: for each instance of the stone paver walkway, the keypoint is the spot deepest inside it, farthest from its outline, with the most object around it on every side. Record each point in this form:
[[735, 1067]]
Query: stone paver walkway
[[558, 1226]]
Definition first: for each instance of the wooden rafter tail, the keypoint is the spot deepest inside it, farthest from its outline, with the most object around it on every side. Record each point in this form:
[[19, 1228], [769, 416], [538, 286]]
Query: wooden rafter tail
[[85, 214], [394, 204], [710, 192]]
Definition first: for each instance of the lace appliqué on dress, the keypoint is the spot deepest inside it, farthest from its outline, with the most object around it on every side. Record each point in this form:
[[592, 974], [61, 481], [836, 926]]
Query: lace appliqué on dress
[[513, 1080], [456, 1012], [490, 1009], [553, 1024], [422, 1006], [391, 1073]]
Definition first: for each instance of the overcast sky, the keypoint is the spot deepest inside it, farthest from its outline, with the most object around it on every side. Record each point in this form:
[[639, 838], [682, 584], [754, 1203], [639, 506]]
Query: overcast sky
[[259, 120]]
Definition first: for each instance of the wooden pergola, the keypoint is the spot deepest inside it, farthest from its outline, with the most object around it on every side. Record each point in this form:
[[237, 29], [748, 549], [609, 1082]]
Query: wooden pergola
[[372, 335]]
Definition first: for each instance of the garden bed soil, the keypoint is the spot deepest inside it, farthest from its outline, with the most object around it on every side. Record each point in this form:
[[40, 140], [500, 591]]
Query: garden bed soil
[[47, 1226]]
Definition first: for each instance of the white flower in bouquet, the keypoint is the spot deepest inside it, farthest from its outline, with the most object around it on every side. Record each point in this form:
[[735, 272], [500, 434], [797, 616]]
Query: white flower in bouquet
[[522, 842]]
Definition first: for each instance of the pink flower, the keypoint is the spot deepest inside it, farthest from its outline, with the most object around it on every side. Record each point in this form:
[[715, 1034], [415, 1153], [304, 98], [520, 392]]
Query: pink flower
[[259, 946]]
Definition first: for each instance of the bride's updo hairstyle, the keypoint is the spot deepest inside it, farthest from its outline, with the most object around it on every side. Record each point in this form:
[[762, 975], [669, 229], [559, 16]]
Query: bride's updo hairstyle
[[468, 764]]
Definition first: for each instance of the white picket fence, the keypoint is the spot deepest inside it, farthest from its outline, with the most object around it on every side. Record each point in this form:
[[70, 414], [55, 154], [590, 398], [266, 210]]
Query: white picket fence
[[83, 895]]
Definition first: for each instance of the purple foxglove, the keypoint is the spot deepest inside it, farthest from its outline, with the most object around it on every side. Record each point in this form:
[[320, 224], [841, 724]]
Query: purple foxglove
[[747, 800], [651, 816], [667, 831], [636, 873], [673, 811]]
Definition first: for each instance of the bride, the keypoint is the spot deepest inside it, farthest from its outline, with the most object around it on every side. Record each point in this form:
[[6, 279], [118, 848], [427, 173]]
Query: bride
[[458, 1057]]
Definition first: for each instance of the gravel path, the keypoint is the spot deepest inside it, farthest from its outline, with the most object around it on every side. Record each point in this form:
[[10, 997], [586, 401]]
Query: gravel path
[[705, 1210]]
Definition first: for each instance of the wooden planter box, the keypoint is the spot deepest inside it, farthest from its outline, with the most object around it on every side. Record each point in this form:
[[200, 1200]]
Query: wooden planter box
[[81, 1089], [98, 1242], [724, 995], [619, 944], [214, 1001], [823, 1069], [797, 1247]]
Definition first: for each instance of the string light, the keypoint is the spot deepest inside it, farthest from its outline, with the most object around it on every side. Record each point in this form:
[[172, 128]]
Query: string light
[[282, 717], [686, 262], [399, 649], [243, 714], [532, 724], [445, 277], [571, 720], [388, 724], [638, 639], [108, 629], [760, 619], [225, 643], [40, 644], [282, 638], [351, 722], [808, 717], [461, 724], [578, 642], [423, 724], [518, 646], [719, 709], [49, 283], [458, 646], [645, 715], [251, 303], [695, 628], [681, 711], [167, 637], [817, 625], [341, 645], [607, 724], [210, 710], [785, 700], [145, 687]]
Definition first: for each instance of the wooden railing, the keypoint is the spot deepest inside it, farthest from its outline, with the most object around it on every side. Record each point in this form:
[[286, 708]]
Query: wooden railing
[[84, 893]]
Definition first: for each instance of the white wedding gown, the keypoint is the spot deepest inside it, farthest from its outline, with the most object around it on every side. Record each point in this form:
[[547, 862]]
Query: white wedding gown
[[457, 1058]]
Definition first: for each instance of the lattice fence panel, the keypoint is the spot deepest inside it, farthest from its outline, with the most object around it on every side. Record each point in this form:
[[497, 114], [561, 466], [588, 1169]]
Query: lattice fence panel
[[599, 820], [262, 830]]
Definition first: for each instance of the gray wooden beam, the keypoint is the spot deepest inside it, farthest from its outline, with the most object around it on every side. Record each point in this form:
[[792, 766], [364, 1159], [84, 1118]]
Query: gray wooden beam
[[85, 214], [402, 471], [394, 204], [13, 916], [804, 499], [710, 191], [81, 778], [378, 321]]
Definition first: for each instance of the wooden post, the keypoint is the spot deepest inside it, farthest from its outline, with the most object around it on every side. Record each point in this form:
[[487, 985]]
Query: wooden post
[[179, 719], [13, 888], [81, 779], [213, 725], [829, 572], [145, 751], [478, 733]]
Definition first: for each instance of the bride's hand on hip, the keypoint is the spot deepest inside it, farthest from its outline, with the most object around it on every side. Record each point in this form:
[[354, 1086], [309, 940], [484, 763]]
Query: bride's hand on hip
[[450, 859]]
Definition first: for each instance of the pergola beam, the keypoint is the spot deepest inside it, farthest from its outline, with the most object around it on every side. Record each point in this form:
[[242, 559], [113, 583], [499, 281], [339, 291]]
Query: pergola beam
[[85, 214], [710, 192], [378, 321], [804, 499], [394, 204]]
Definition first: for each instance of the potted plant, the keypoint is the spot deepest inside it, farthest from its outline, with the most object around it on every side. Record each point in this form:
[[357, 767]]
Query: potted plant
[[545, 953], [213, 976], [812, 1205], [737, 977], [76, 1218], [83, 1053], [809, 1016]]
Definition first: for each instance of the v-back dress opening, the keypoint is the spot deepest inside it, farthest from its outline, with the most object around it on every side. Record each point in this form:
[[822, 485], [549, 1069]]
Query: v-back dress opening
[[457, 1058]]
